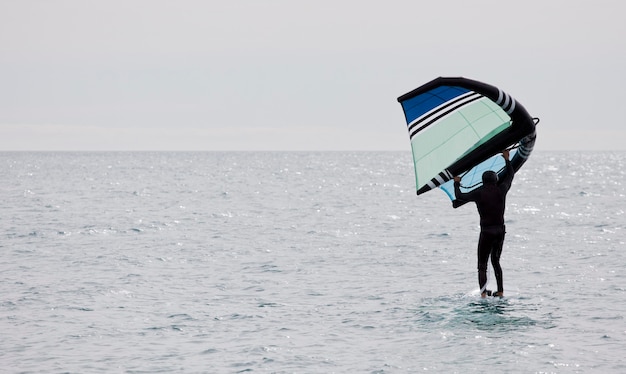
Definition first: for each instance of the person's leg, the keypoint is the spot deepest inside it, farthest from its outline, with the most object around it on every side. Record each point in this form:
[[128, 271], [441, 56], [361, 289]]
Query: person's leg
[[495, 262], [484, 248]]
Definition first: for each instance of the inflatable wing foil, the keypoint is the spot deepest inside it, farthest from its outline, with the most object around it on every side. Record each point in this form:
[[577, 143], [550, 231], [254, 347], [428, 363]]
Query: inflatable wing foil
[[459, 126]]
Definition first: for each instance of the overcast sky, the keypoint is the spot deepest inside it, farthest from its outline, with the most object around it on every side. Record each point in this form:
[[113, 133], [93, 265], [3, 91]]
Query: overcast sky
[[297, 75]]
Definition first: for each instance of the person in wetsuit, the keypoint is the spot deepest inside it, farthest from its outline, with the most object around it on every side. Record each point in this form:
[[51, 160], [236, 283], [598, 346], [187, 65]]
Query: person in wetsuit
[[490, 200]]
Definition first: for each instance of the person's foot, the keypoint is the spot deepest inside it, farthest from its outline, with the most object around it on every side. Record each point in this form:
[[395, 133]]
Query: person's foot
[[498, 294], [486, 293]]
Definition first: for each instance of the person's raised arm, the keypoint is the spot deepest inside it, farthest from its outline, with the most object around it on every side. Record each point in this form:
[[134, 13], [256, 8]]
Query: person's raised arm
[[457, 189], [506, 183]]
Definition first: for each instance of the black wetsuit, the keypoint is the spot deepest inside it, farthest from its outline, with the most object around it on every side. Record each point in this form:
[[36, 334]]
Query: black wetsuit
[[490, 200]]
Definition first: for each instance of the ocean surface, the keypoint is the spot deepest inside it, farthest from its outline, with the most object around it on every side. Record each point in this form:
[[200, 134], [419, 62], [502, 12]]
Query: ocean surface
[[294, 262]]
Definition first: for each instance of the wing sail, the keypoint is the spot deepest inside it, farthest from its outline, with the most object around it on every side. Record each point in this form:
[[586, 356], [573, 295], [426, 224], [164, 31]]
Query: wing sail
[[457, 125]]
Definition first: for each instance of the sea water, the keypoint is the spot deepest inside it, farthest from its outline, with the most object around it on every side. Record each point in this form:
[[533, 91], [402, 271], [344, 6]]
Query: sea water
[[293, 262]]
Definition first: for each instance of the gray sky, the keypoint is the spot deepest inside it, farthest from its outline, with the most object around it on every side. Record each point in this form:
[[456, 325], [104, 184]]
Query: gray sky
[[297, 75]]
